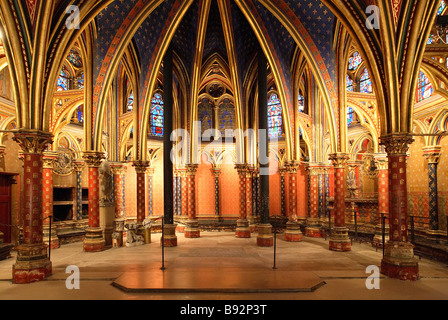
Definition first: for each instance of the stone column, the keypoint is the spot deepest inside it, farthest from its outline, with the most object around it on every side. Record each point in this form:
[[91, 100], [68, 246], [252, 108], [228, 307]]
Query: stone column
[[242, 227], [94, 240], [118, 170], [192, 228], [399, 261], [150, 174], [383, 200], [32, 262], [79, 166], [293, 232], [432, 154], [339, 240], [249, 200], [282, 172], [313, 222], [265, 237], [140, 169], [216, 173], [47, 200]]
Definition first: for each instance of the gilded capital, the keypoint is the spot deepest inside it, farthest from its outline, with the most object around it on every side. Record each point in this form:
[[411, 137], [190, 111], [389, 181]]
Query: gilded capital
[[79, 165], [241, 169], [118, 168], [93, 159], [191, 169], [141, 166], [33, 141], [397, 145], [293, 166], [432, 154], [49, 159], [339, 160]]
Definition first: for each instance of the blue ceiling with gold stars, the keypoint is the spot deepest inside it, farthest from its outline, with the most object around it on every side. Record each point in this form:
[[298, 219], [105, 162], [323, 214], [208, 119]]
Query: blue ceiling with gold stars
[[314, 15]]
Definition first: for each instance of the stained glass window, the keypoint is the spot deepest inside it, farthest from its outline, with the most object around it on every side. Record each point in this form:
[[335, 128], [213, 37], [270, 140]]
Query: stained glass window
[[275, 119], [80, 81], [80, 114], [63, 80], [350, 84], [301, 103], [350, 116], [441, 8], [424, 88], [205, 112], [365, 84], [157, 115], [354, 61], [75, 58], [130, 103]]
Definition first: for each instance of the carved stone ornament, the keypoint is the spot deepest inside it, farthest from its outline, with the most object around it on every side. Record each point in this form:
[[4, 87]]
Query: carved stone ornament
[[141, 166], [397, 145], [432, 154], [93, 158], [370, 167], [63, 164], [339, 160], [33, 141]]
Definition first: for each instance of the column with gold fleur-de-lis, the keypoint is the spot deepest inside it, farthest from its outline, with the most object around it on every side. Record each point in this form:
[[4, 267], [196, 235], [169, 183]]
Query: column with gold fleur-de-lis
[[94, 239], [383, 200], [32, 262], [433, 154], [242, 228], [399, 261], [293, 232], [339, 239], [192, 229], [50, 236]]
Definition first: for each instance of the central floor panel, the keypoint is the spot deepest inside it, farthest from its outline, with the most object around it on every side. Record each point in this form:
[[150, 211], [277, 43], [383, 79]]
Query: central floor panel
[[218, 280]]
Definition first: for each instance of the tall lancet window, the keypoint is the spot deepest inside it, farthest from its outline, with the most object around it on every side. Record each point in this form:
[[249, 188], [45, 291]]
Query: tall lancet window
[[365, 84], [157, 115], [424, 88], [275, 119]]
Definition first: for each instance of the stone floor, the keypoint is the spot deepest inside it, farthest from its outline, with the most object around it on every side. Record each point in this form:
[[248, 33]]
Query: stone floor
[[344, 274]]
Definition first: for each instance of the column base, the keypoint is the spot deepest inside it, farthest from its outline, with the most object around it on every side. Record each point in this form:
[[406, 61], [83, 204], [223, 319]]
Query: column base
[[265, 237], [192, 230], [314, 232], [339, 240], [242, 229], [32, 264], [169, 238], [293, 232], [94, 241], [313, 228], [399, 261]]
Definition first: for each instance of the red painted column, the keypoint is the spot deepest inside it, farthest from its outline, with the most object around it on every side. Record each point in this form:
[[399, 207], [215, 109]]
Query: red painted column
[[140, 169], [118, 170], [313, 222], [293, 232], [32, 262], [399, 261], [242, 225], [47, 200], [192, 228], [383, 200], [94, 240], [339, 240]]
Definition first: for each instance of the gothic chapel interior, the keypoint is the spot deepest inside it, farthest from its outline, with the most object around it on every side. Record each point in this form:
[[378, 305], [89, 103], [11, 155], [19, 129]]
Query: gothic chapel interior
[[350, 95]]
